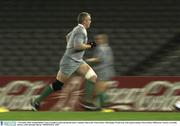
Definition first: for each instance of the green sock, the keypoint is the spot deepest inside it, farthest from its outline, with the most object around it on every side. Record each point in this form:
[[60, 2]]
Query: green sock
[[102, 97], [89, 90], [47, 91]]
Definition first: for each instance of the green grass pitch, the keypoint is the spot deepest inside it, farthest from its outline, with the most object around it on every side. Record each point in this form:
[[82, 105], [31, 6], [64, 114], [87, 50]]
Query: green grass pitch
[[88, 116]]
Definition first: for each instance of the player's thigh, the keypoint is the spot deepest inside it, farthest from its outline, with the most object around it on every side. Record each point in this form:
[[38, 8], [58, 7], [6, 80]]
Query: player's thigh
[[87, 72], [83, 69], [62, 77]]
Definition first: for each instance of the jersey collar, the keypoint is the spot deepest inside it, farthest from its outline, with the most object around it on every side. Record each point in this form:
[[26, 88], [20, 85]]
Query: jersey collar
[[81, 25], [83, 28]]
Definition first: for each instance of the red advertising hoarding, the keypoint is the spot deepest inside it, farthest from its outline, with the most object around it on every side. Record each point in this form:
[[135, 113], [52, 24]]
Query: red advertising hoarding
[[132, 93], [16, 92]]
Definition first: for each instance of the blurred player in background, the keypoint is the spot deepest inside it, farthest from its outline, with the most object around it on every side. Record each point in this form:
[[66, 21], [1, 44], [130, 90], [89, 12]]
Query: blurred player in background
[[103, 65], [72, 61]]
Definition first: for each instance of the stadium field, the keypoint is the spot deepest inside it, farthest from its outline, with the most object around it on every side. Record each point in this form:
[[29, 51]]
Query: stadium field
[[88, 116]]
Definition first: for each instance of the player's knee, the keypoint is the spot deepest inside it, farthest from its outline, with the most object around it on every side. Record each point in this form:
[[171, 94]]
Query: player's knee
[[57, 85], [91, 75], [93, 79]]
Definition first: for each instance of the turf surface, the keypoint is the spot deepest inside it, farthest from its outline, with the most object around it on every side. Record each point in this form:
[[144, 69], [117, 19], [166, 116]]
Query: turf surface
[[96, 116]]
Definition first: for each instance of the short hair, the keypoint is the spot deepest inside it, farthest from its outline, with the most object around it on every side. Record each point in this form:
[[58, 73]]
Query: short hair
[[81, 17]]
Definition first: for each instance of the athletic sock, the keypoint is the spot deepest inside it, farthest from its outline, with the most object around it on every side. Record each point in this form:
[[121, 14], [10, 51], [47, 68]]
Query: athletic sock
[[101, 99], [55, 86], [89, 90], [47, 91]]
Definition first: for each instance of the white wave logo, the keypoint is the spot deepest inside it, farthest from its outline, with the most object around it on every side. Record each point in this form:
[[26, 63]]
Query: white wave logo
[[155, 96]]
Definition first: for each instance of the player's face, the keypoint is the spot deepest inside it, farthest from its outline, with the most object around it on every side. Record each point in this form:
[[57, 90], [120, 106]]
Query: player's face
[[101, 39], [87, 21]]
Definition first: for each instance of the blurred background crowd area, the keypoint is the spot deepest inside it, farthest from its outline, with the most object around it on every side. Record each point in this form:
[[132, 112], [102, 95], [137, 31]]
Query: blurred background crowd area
[[144, 34]]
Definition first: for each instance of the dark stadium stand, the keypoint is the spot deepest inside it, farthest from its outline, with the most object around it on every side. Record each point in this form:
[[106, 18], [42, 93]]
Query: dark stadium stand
[[165, 61], [141, 34]]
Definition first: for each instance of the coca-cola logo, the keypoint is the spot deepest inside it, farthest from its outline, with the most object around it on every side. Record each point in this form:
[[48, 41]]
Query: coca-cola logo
[[16, 95], [155, 96]]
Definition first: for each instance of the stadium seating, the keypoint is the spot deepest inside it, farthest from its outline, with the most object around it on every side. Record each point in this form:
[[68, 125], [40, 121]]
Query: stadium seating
[[143, 34]]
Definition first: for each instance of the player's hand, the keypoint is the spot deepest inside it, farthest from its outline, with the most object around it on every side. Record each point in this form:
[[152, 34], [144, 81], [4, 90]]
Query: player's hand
[[93, 44]]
